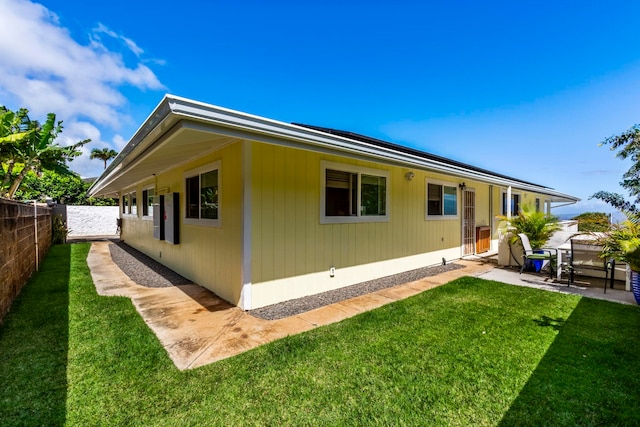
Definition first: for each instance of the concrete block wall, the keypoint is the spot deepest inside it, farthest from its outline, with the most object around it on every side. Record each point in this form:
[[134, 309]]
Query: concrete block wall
[[18, 247]]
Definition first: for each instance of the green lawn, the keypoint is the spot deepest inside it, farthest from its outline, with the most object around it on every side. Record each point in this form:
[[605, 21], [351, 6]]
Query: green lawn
[[471, 352]]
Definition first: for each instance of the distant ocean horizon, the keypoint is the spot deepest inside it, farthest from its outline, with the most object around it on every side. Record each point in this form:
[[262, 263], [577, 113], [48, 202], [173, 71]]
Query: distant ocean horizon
[[615, 216]]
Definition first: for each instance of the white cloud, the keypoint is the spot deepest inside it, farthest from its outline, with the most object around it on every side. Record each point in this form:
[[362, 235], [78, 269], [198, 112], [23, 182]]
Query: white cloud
[[47, 70], [119, 142], [81, 130], [127, 41]]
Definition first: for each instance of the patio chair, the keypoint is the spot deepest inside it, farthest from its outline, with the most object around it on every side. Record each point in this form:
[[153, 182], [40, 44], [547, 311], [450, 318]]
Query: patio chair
[[586, 256], [542, 254]]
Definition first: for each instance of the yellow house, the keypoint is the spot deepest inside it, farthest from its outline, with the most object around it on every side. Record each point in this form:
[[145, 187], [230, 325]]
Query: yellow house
[[260, 211]]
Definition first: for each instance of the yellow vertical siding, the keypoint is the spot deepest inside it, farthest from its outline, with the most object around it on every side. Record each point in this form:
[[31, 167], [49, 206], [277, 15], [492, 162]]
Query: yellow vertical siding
[[288, 242], [288, 239], [209, 256]]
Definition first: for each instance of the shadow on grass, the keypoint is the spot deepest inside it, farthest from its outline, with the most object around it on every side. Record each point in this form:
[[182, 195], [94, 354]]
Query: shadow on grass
[[547, 321], [34, 345], [586, 377]]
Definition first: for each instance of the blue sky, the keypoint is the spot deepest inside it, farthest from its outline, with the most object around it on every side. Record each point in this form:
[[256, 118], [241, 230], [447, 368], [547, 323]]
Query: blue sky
[[527, 89]]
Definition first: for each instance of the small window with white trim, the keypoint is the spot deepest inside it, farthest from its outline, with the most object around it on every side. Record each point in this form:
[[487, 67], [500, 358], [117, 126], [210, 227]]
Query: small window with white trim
[[202, 195], [134, 204], [515, 203], [147, 203], [353, 194], [442, 200], [129, 203]]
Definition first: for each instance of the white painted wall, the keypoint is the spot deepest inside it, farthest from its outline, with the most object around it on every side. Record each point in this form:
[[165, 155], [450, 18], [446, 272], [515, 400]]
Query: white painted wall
[[92, 220]]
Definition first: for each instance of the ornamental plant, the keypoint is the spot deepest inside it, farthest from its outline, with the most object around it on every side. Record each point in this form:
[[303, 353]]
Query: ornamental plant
[[622, 241], [538, 226]]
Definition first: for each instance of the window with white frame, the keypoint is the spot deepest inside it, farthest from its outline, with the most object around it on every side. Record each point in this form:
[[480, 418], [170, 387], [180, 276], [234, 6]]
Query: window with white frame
[[515, 203], [353, 194], [202, 195], [147, 202], [537, 204], [134, 203], [130, 203], [442, 200]]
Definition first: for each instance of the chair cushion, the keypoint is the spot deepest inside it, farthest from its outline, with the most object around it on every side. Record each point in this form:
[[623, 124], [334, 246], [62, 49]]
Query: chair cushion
[[540, 256]]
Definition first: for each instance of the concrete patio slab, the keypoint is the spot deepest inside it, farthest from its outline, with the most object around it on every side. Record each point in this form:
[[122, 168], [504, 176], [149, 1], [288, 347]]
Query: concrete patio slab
[[594, 289], [197, 328]]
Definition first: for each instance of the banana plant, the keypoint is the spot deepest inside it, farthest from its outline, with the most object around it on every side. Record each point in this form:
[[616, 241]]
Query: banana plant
[[37, 150]]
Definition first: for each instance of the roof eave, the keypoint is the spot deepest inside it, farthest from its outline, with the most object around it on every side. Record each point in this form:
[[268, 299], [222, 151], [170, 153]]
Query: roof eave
[[172, 109], [139, 142]]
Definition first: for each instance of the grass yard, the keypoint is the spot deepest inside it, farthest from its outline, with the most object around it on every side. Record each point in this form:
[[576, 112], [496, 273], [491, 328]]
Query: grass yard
[[471, 352]]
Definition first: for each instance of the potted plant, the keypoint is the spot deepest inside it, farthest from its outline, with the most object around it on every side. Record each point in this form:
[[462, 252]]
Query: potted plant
[[538, 226], [622, 243]]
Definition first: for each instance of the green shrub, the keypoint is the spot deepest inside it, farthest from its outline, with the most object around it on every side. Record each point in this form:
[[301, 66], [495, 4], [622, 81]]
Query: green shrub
[[59, 230], [592, 221], [538, 226]]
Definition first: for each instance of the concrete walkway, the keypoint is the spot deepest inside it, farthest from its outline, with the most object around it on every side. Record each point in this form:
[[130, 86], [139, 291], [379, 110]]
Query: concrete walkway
[[197, 328]]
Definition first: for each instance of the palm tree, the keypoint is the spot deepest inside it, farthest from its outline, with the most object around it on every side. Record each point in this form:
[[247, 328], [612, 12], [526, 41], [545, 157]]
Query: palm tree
[[104, 154], [538, 226]]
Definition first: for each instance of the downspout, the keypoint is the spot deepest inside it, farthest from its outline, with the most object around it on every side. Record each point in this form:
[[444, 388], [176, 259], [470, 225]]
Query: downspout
[[35, 230], [491, 216]]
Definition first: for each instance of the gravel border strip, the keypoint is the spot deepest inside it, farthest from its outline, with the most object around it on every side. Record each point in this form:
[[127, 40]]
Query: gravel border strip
[[300, 305], [146, 271], [142, 269]]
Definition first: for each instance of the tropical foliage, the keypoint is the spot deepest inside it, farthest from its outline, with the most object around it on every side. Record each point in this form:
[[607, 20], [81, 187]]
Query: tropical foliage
[[67, 189], [59, 230], [538, 226], [592, 221], [628, 146], [104, 154], [33, 145], [13, 127], [622, 241]]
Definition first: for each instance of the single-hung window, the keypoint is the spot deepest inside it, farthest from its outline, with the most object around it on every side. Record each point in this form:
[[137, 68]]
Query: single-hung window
[[134, 204], [147, 202], [515, 204], [442, 201], [353, 194], [203, 195]]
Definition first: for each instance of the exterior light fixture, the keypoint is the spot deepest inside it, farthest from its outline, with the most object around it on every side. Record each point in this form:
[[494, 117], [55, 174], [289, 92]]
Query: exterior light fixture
[[409, 176], [462, 186]]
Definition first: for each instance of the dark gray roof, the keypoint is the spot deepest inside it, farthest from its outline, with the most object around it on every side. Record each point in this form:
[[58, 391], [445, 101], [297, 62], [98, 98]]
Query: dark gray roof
[[409, 150]]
